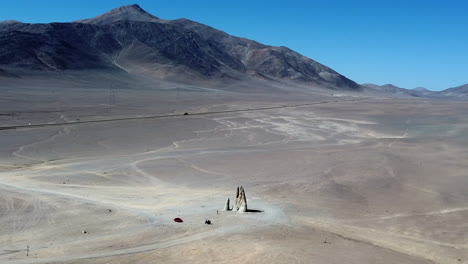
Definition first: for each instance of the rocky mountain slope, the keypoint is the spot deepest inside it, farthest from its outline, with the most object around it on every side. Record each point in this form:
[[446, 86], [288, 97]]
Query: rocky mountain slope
[[128, 39]]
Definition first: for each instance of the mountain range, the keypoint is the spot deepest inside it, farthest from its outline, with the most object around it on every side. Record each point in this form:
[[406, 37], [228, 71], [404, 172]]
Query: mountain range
[[460, 92], [130, 41]]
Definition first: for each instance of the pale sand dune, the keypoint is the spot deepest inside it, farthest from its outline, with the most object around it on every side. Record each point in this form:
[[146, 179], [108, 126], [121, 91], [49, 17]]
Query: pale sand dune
[[382, 181]]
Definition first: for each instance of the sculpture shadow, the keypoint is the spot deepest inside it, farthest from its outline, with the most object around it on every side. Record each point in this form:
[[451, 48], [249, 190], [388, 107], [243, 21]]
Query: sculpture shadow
[[254, 211]]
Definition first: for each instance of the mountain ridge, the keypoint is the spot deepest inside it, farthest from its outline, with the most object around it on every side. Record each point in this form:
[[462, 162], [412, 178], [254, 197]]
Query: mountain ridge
[[457, 91], [454, 92]]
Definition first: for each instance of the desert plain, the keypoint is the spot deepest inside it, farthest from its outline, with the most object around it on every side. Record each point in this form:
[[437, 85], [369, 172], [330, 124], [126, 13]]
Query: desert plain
[[330, 177]]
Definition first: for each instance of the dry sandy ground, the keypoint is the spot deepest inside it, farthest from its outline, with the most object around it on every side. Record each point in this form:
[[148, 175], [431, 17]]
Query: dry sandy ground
[[352, 180]]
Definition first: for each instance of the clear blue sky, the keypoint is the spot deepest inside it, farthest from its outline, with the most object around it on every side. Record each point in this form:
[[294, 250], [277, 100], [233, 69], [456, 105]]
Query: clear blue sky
[[407, 43]]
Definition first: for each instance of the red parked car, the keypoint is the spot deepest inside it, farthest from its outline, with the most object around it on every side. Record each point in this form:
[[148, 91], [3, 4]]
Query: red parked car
[[178, 220]]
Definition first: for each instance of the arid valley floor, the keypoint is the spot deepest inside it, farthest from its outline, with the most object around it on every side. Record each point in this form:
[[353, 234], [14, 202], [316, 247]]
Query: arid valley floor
[[335, 178]]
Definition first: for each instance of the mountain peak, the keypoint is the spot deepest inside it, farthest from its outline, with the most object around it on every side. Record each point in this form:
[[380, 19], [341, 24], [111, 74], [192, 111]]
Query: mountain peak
[[130, 8], [421, 89], [9, 22], [124, 13], [134, 6], [389, 85]]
